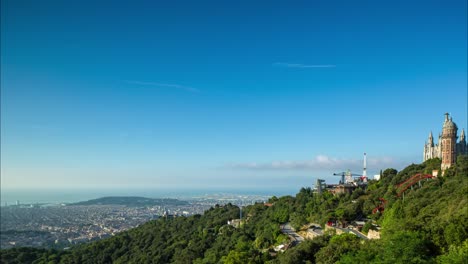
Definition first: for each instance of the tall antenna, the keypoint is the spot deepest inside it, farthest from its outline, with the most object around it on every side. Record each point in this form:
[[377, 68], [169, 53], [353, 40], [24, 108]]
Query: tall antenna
[[364, 172]]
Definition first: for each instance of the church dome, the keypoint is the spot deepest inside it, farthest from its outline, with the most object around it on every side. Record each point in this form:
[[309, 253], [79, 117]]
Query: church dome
[[449, 124]]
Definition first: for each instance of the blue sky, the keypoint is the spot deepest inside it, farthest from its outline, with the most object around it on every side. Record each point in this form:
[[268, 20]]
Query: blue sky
[[214, 94]]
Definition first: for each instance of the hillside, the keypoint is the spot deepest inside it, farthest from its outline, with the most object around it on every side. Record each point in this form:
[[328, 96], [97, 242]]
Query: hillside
[[131, 201], [428, 226]]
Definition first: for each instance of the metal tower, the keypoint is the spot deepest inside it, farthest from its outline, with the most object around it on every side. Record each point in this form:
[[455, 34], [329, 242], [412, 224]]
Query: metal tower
[[364, 172]]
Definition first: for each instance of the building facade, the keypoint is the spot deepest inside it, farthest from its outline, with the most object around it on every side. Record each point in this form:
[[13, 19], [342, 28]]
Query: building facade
[[447, 147]]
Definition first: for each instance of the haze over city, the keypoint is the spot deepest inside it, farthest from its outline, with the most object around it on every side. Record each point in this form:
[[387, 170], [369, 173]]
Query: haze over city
[[211, 94]]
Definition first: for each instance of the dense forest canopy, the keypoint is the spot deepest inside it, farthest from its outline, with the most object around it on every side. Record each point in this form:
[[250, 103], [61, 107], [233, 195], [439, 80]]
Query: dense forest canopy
[[428, 225]]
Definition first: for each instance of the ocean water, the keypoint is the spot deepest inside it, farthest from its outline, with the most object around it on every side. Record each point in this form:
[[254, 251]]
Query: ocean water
[[56, 196]]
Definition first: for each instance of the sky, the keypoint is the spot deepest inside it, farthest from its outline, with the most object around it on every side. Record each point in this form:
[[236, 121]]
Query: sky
[[223, 94]]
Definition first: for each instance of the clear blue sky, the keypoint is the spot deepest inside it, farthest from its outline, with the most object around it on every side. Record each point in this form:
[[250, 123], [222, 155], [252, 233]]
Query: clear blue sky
[[198, 94]]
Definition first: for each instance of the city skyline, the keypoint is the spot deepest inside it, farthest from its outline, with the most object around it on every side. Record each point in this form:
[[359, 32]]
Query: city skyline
[[212, 95]]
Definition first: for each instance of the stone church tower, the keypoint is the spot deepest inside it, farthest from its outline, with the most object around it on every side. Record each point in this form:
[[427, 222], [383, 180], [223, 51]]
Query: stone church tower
[[449, 143], [447, 148], [462, 147]]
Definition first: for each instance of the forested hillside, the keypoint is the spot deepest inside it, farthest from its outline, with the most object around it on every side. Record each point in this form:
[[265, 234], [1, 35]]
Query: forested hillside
[[131, 201], [428, 225]]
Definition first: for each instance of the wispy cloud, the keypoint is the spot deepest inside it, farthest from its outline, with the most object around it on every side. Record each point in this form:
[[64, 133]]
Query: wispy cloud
[[298, 65], [167, 85], [320, 163]]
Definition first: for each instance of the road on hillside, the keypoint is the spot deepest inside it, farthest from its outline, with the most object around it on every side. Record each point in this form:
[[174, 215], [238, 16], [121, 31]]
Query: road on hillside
[[358, 234], [315, 228], [288, 230]]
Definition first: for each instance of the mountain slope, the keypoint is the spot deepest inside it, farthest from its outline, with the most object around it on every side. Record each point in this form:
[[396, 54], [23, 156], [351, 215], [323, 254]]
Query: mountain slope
[[429, 225]]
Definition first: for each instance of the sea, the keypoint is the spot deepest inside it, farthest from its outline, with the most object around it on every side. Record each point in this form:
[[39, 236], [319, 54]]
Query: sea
[[58, 196]]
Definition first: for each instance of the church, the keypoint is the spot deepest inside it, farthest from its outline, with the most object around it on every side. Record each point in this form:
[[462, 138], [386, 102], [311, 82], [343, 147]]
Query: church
[[447, 147]]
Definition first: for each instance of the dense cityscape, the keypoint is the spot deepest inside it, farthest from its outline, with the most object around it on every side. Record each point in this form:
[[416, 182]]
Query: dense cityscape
[[62, 225]]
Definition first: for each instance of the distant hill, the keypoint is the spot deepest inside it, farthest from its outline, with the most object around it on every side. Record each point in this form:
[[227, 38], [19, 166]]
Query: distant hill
[[131, 201]]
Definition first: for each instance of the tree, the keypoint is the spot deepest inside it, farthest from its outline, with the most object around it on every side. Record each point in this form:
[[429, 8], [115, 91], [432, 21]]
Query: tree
[[462, 165], [304, 252], [432, 164], [338, 246], [455, 255], [406, 247], [297, 220]]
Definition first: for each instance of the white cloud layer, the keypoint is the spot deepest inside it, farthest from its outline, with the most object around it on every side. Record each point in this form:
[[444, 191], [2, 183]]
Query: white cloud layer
[[321, 163]]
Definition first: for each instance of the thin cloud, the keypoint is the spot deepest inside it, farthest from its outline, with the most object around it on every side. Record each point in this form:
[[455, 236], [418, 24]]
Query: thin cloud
[[298, 65], [168, 85], [319, 163]]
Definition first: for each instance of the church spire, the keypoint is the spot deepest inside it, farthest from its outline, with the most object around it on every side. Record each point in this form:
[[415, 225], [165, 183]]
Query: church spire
[[431, 139], [462, 135]]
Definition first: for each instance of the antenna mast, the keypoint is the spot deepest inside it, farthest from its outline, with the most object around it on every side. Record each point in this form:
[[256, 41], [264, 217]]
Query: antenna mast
[[364, 172]]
